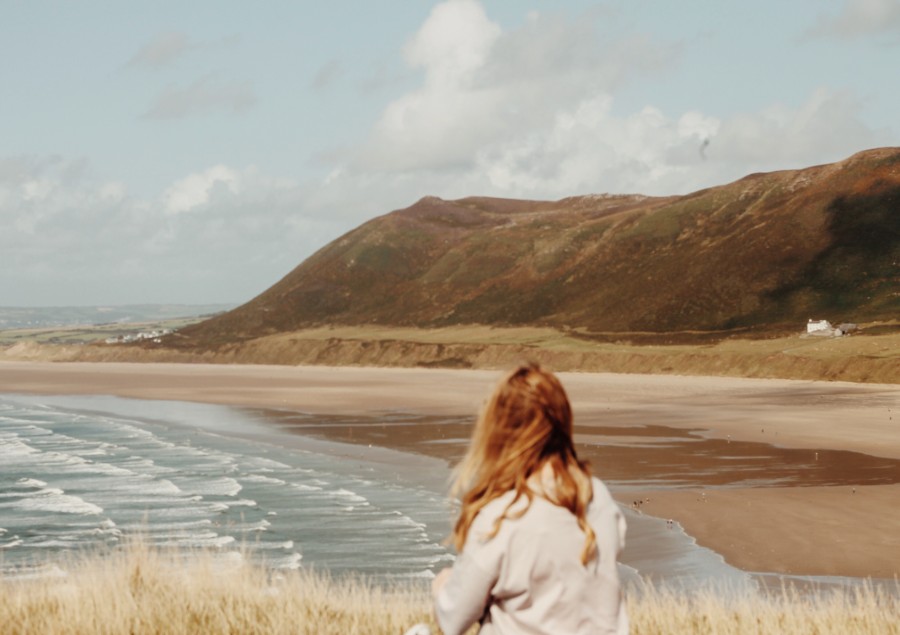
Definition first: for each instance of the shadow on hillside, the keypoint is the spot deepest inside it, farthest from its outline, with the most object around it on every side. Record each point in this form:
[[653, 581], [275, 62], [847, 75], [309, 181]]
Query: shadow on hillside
[[858, 272]]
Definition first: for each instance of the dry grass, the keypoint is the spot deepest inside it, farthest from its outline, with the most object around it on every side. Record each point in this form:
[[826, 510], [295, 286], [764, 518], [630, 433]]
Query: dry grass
[[861, 358], [142, 590], [867, 357], [862, 611]]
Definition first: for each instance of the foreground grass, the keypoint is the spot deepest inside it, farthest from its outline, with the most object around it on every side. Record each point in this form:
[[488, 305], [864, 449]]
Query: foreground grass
[[862, 611], [141, 590]]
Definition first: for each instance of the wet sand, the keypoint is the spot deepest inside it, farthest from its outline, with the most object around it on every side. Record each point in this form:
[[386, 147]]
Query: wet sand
[[822, 531], [780, 476]]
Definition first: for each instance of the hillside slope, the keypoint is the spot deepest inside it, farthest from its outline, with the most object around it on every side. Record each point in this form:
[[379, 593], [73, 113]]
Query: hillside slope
[[763, 253]]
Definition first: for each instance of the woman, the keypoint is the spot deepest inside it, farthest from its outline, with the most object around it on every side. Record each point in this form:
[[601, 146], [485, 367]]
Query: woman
[[537, 537]]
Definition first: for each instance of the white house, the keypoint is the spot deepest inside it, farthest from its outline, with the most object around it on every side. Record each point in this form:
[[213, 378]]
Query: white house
[[823, 328], [814, 326]]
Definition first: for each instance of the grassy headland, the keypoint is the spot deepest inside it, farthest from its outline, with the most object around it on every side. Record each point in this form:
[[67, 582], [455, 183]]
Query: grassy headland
[[757, 256]]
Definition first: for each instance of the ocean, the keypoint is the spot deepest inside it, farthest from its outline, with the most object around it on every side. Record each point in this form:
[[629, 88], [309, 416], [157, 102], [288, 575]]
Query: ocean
[[81, 473], [86, 473]]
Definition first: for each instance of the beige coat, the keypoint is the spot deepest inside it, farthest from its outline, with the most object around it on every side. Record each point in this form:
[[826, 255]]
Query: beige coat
[[529, 579]]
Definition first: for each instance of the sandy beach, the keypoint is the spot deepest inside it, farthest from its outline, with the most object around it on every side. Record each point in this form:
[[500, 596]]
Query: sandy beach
[[781, 476]]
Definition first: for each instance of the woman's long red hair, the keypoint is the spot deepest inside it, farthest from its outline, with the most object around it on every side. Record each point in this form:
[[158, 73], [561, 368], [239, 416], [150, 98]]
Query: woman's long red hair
[[524, 437]]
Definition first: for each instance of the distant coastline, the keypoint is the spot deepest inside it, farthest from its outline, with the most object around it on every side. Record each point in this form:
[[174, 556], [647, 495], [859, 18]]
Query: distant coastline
[[869, 356], [95, 315]]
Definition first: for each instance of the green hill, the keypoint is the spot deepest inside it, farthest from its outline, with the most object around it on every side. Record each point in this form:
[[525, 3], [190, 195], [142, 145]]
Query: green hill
[[764, 253]]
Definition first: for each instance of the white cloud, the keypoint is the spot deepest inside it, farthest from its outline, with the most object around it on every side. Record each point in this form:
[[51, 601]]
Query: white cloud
[[207, 95], [222, 234], [435, 125], [113, 192], [36, 189], [826, 127], [195, 190], [165, 49], [590, 149], [482, 85], [860, 18], [531, 112], [162, 50], [453, 44], [327, 74]]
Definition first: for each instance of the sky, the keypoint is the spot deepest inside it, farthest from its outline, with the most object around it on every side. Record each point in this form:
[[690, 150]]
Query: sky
[[196, 152]]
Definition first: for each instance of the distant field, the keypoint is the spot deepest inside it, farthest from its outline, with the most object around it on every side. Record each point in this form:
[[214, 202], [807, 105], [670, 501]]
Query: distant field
[[88, 334], [870, 355], [873, 339]]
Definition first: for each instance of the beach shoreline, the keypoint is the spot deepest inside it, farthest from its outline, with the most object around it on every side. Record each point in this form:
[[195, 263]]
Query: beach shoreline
[[843, 530]]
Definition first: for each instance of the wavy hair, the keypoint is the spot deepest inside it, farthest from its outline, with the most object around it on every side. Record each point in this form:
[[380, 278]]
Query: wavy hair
[[522, 442]]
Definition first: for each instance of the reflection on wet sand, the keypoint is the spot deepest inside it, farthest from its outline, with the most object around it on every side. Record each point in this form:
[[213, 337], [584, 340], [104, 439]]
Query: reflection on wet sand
[[624, 456], [723, 492], [686, 458]]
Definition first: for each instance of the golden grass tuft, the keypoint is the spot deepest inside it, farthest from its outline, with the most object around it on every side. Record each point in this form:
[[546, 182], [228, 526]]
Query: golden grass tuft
[[143, 590], [864, 610]]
